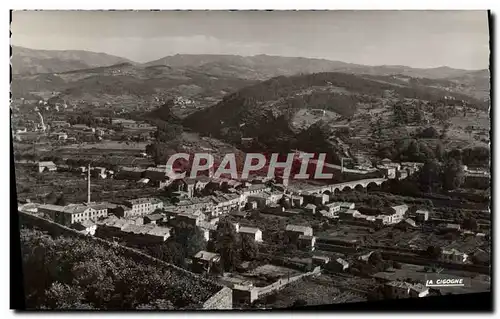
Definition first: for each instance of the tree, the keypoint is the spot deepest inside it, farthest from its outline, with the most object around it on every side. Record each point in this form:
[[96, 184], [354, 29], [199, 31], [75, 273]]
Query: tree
[[429, 132], [227, 245], [249, 249], [433, 252], [51, 198], [470, 223], [429, 175], [453, 174], [190, 238]]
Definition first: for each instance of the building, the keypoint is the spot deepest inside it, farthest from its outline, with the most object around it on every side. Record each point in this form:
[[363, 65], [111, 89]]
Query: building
[[420, 215], [339, 265], [452, 227], [145, 234], [59, 124], [154, 219], [155, 173], [86, 227], [320, 260], [297, 201], [334, 207], [310, 209], [60, 135], [253, 233], [294, 231], [344, 205], [400, 289], [204, 261], [188, 218], [46, 167], [143, 206], [454, 256], [306, 242], [73, 213], [133, 173], [265, 198]]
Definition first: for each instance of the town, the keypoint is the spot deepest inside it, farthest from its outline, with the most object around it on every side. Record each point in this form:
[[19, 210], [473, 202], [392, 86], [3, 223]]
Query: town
[[288, 230], [250, 159]]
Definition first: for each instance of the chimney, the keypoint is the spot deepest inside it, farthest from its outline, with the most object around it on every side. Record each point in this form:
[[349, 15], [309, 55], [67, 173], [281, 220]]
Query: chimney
[[88, 185]]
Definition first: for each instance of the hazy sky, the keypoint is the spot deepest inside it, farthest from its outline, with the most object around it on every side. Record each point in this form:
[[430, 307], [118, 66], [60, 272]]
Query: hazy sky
[[457, 39]]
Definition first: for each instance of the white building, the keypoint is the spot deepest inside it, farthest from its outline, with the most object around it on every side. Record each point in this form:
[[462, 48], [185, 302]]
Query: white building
[[454, 256], [254, 233]]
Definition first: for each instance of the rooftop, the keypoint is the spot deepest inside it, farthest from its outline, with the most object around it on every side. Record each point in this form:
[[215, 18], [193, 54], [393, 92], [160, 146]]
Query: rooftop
[[206, 255], [250, 230], [298, 228]]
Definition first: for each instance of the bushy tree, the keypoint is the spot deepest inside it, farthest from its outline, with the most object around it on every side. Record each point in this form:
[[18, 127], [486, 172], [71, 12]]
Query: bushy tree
[[453, 174], [227, 245]]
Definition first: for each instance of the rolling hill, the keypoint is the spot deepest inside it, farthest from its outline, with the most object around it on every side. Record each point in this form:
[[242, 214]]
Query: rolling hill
[[30, 61], [314, 111]]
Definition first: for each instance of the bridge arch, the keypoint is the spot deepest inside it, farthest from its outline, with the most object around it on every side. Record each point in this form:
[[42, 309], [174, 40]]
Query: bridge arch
[[373, 186], [359, 187]]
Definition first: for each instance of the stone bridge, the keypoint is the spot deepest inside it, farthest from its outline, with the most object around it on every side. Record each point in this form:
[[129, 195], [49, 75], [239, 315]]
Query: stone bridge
[[364, 183]]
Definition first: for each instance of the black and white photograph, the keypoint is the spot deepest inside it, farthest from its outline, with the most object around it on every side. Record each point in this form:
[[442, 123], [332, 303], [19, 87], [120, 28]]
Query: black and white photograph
[[250, 160]]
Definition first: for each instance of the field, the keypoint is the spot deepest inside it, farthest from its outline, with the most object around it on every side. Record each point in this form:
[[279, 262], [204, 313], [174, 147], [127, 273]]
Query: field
[[314, 291], [73, 186], [109, 145]]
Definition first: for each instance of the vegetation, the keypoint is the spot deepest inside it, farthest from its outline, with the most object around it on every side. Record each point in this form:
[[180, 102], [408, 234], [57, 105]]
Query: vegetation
[[71, 273]]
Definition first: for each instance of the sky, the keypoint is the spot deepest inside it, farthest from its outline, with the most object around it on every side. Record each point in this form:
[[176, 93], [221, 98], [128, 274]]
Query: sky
[[423, 39]]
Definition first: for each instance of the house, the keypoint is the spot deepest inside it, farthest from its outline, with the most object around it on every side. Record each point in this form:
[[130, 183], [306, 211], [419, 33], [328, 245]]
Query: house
[[321, 199], [392, 215], [251, 232], [365, 257], [334, 207], [338, 265], [310, 209], [154, 219], [86, 227], [452, 227], [420, 215], [122, 211], [265, 198], [300, 230], [98, 172], [133, 173], [59, 124], [28, 208], [46, 167], [188, 218], [326, 213], [252, 205], [155, 173], [401, 289], [320, 260], [410, 222], [60, 135], [348, 214], [204, 261], [297, 201], [144, 206], [68, 215], [306, 242], [145, 234], [399, 209], [294, 231], [344, 205], [209, 229], [454, 256]]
